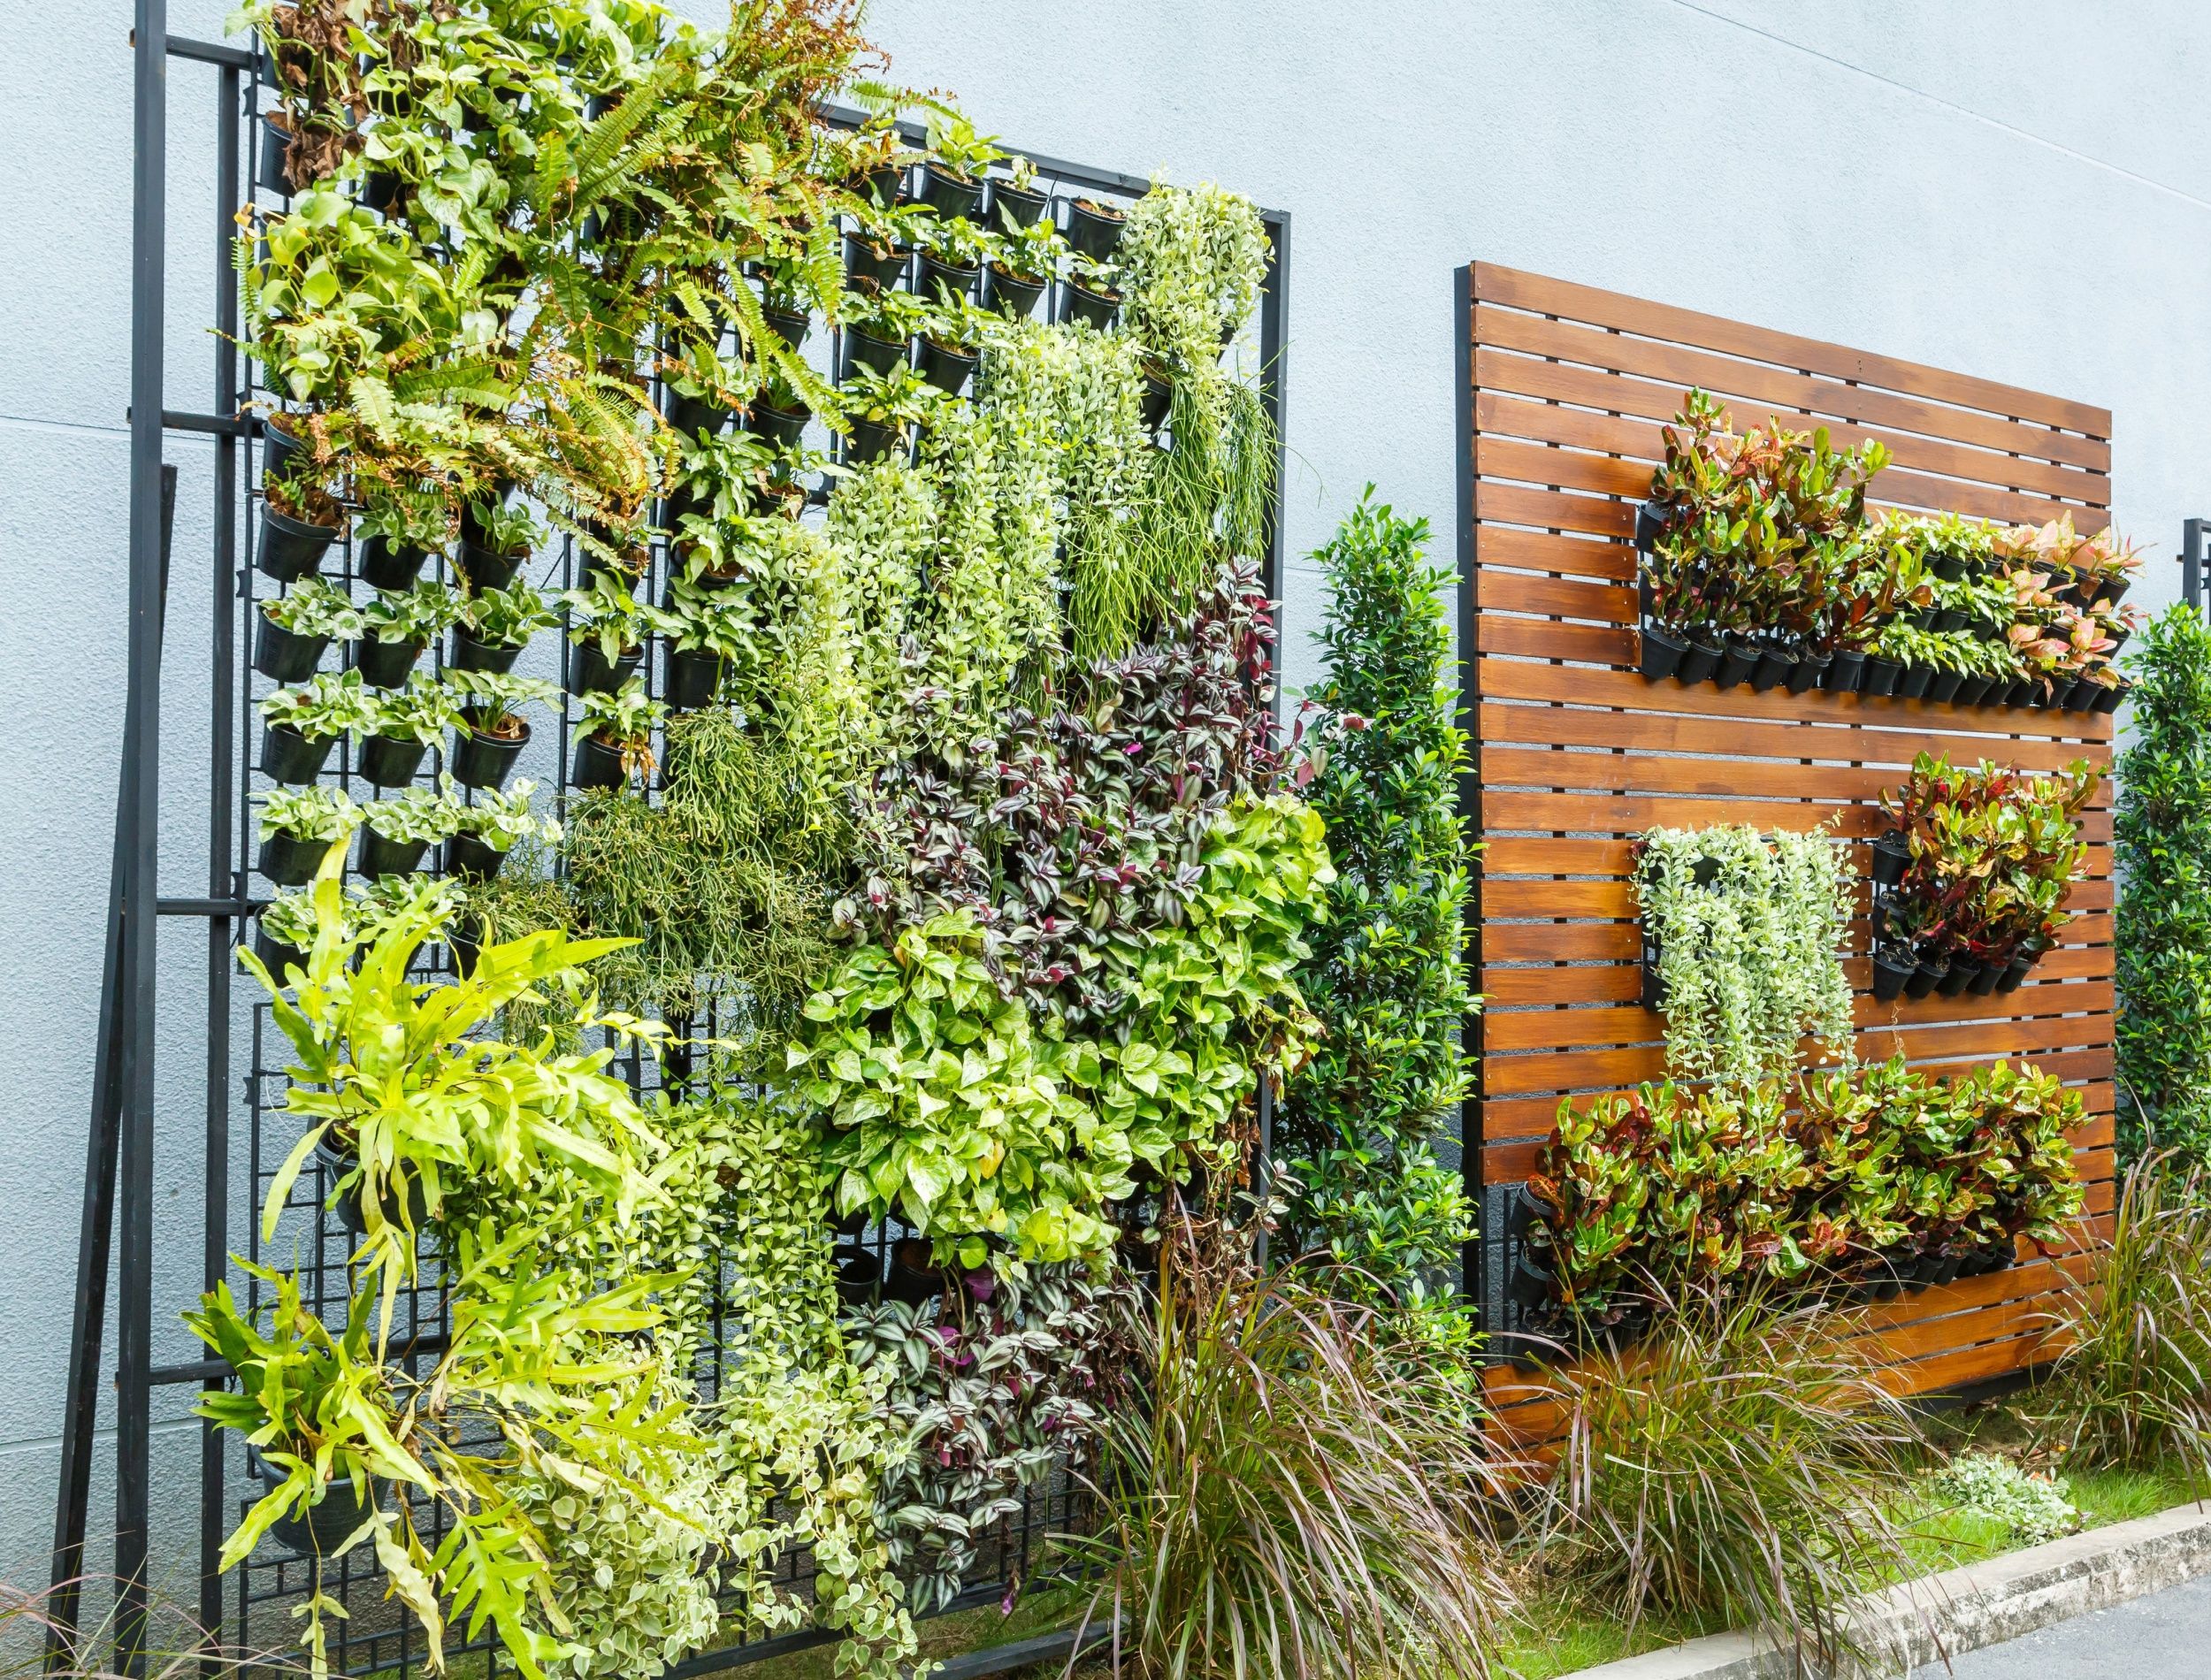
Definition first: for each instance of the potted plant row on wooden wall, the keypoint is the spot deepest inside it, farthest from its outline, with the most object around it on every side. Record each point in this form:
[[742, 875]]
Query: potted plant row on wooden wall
[[1762, 565]]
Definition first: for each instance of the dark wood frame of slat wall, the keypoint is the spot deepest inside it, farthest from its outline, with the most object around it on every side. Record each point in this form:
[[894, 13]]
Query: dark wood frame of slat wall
[[1562, 388]]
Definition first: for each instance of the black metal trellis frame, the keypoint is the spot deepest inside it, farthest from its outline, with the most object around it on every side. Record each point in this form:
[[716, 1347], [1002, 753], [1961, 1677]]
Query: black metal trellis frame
[[117, 1220]]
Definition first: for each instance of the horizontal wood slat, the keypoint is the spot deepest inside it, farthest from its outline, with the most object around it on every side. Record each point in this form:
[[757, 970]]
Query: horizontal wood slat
[[1576, 754]]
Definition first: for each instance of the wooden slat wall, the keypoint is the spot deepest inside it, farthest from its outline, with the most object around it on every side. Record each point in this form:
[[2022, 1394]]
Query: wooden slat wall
[[1576, 753]]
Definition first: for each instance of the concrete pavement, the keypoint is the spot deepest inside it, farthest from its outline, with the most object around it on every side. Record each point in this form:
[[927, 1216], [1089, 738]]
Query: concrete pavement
[[2162, 1635]]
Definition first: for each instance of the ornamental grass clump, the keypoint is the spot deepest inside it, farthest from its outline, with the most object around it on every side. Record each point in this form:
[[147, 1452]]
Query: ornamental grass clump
[[1746, 928], [1737, 1469]]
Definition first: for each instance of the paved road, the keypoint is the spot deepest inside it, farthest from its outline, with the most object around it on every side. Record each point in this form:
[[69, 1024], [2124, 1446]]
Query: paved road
[[2166, 1635]]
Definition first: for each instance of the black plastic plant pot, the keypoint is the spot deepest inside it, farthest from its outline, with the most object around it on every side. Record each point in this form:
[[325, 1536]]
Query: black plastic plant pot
[[1928, 975], [1948, 567], [2114, 589], [784, 427], [2021, 691], [291, 757], [886, 183], [468, 858], [694, 677], [1944, 688], [1698, 663], [870, 441], [1652, 991], [1094, 229], [380, 857], [1892, 969], [880, 265], [2107, 698], [380, 190], [1080, 303], [1846, 672], [1157, 400], [1023, 204], [1773, 667], [385, 664], [1650, 524], [1011, 293], [335, 1164], [953, 280], [279, 448], [282, 656], [946, 367], [469, 655], [485, 761], [391, 760], [1661, 654], [691, 415], [1530, 1284], [289, 860], [276, 144], [1880, 676], [947, 191], [276, 956], [329, 1522], [384, 564], [1736, 663], [2082, 696], [597, 764], [1987, 978], [1914, 681], [1969, 691], [291, 548], [2015, 975], [484, 569], [589, 671], [1810, 672], [864, 349], [1949, 618], [789, 326], [1892, 855], [1962, 971], [1947, 1269]]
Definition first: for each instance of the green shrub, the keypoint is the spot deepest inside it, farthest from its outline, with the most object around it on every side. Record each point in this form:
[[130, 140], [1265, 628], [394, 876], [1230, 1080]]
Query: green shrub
[[2031, 1508], [1386, 977], [2164, 829]]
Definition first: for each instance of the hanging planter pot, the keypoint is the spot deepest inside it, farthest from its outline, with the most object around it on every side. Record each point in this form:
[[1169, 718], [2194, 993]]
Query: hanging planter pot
[[947, 367], [949, 192], [469, 655], [1650, 524], [864, 349], [954, 282], [1881, 676], [1892, 855], [482, 568], [2083, 696], [1699, 661], [470, 857], [1892, 969], [1944, 688], [391, 760], [1969, 691], [273, 152], [1156, 401], [784, 427], [1846, 671], [385, 664], [1094, 228], [1660, 654], [2023, 691], [1986, 977], [1022, 205], [2015, 973], [1078, 302], [328, 1523], [1913, 682], [1011, 293], [380, 190], [384, 564], [790, 325], [283, 655], [1962, 971], [1774, 666], [291, 548], [335, 1164], [1737, 660], [1810, 673], [1947, 619], [693, 416], [2107, 698], [882, 265], [289, 860], [281, 447], [597, 763], [485, 761], [291, 757], [1929, 974], [380, 857], [886, 183], [694, 677], [590, 673], [1948, 567], [872, 440], [277, 957]]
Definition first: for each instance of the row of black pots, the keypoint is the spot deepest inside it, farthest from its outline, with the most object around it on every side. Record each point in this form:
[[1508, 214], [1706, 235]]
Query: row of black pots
[[291, 862], [885, 266], [476, 759], [291, 549], [945, 366], [284, 656], [1730, 662], [1095, 232], [782, 427], [1900, 971]]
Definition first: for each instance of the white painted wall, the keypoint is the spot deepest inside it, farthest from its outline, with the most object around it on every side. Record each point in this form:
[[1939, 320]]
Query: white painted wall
[[2016, 188]]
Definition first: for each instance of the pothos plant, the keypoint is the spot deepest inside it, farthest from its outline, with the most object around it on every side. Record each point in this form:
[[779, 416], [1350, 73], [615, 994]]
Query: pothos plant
[[1748, 930]]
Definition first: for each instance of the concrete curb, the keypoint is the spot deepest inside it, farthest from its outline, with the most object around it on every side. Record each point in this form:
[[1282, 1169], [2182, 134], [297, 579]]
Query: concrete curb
[[1964, 1610]]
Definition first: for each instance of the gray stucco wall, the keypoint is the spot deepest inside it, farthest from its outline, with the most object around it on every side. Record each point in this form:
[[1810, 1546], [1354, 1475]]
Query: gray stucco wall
[[2017, 188]]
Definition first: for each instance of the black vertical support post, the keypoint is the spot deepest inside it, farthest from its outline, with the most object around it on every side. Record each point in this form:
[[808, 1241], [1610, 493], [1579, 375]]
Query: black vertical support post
[[1470, 1124], [136, 1136], [1274, 373], [221, 884], [2192, 562]]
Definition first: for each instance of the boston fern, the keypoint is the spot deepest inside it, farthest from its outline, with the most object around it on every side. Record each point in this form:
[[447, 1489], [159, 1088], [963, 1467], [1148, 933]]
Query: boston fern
[[2164, 829], [1386, 977]]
